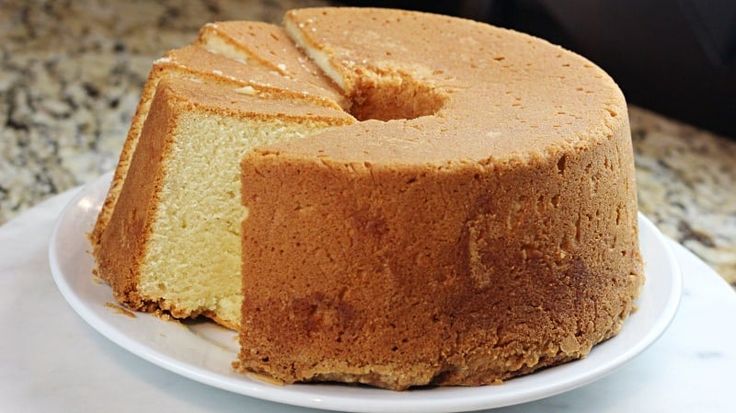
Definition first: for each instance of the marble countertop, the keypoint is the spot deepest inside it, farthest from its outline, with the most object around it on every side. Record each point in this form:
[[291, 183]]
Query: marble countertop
[[71, 73]]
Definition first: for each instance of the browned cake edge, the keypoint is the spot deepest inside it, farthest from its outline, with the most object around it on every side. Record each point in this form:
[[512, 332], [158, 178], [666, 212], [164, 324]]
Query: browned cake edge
[[121, 245]]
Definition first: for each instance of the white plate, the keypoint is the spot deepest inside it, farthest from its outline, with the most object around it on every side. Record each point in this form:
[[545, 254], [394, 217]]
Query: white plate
[[204, 351]]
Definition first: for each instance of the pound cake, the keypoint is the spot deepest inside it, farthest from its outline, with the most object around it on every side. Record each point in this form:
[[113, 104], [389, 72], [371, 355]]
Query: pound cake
[[413, 199]]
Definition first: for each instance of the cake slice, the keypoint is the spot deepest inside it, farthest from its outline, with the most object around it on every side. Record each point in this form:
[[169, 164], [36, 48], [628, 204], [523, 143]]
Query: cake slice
[[173, 240], [225, 54]]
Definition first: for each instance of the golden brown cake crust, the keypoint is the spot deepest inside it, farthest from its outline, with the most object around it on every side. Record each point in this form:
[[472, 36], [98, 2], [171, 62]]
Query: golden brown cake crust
[[490, 234], [199, 63], [270, 46], [122, 245]]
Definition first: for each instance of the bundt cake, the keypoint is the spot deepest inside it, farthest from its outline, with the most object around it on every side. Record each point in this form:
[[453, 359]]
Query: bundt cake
[[379, 196]]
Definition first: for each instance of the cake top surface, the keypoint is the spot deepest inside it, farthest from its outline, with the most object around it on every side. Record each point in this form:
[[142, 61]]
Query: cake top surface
[[448, 91], [267, 45], [245, 102], [203, 63]]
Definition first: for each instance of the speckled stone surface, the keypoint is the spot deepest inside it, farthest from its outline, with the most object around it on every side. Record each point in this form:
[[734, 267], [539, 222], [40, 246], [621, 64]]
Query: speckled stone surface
[[71, 73], [686, 180]]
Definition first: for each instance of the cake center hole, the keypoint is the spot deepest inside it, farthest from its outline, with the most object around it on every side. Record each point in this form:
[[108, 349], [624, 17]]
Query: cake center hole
[[394, 96]]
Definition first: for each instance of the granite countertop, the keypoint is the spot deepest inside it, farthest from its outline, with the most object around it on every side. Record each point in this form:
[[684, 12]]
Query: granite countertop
[[71, 73]]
